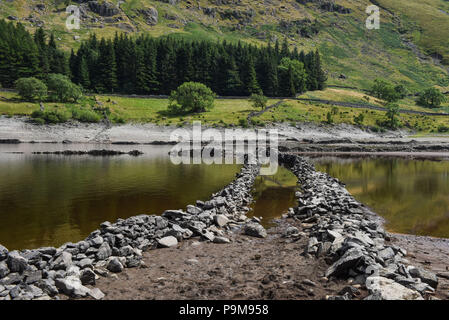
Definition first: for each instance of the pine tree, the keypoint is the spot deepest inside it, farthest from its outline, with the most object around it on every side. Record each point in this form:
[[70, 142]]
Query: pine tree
[[142, 80], [267, 73], [106, 69], [295, 54], [233, 84], [276, 50], [73, 64], [249, 78], [27, 54], [166, 59], [151, 67], [311, 70], [83, 74], [287, 83], [184, 69], [284, 51], [320, 75], [52, 42], [44, 63]]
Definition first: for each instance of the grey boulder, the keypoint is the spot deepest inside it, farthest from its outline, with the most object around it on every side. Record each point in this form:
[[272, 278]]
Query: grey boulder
[[168, 242], [72, 287], [174, 214], [115, 265], [3, 252], [87, 277], [96, 294], [16, 263], [104, 251], [349, 260], [63, 261], [221, 240], [221, 220], [425, 276], [4, 270], [254, 229], [387, 289], [386, 254]]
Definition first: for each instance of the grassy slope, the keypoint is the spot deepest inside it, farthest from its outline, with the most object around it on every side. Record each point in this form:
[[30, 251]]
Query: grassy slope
[[229, 112], [226, 112], [297, 111], [427, 23], [352, 96], [346, 45]]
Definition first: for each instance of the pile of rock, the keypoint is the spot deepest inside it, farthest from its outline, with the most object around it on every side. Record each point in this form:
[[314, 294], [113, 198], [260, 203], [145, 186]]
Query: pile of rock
[[225, 210], [45, 272], [351, 238]]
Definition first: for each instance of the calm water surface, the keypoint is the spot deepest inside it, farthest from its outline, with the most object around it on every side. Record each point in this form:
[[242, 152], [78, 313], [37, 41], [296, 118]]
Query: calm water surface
[[412, 195], [47, 200], [273, 196]]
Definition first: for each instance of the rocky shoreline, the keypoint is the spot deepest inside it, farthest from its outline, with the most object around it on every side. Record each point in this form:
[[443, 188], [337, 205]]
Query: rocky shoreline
[[352, 146], [299, 137], [340, 230]]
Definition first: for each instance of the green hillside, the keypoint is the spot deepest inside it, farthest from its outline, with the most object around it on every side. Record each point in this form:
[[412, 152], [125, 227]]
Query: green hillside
[[353, 55]]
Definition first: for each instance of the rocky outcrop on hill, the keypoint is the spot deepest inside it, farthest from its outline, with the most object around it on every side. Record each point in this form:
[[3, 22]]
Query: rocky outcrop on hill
[[243, 16], [105, 9], [305, 27], [151, 15], [326, 5]]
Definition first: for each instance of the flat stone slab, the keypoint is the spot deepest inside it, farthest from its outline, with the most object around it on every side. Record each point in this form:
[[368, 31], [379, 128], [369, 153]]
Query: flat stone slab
[[168, 242]]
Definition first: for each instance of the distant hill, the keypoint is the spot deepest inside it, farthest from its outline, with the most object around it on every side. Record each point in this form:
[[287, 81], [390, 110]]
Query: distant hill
[[411, 46]]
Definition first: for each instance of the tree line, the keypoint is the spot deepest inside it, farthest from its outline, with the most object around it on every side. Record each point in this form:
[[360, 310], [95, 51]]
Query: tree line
[[24, 55], [147, 65]]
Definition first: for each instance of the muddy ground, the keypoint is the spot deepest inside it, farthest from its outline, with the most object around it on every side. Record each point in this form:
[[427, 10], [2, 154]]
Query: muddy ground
[[246, 269]]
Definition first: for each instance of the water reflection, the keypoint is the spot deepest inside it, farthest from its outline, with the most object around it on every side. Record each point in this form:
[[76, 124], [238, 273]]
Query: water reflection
[[413, 195], [50, 200], [273, 195]]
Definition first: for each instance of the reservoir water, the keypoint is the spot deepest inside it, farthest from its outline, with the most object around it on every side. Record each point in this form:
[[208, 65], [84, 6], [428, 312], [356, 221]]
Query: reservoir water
[[47, 200], [412, 195]]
